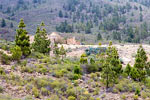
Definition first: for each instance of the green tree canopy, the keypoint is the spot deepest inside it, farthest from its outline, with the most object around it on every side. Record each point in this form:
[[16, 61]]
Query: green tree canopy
[[3, 23], [22, 39], [41, 42]]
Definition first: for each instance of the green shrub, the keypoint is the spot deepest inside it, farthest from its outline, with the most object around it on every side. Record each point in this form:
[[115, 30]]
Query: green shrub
[[81, 97], [76, 83], [4, 47], [92, 68], [54, 97], [27, 69], [83, 60], [120, 87], [71, 92], [87, 94], [96, 91], [45, 60], [134, 73], [71, 98], [98, 99], [2, 72], [41, 83], [115, 90], [5, 59], [148, 82], [93, 75], [77, 70], [126, 85], [42, 69], [23, 63], [137, 91], [36, 55], [29, 98], [128, 69], [123, 97], [58, 74], [29, 86], [135, 97], [35, 92], [76, 76], [44, 91], [144, 95], [16, 53], [1, 89], [13, 67]]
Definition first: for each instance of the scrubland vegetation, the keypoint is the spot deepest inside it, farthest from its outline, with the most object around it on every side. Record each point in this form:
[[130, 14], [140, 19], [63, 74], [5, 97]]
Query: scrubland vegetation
[[29, 72], [41, 70]]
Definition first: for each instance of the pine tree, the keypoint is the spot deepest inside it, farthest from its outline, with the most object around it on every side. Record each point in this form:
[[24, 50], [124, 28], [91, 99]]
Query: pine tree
[[108, 73], [41, 42], [112, 67], [140, 63], [56, 50], [62, 52], [11, 25], [22, 39], [134, 74], [99, 37], [3, 23], [60, 14], [128, 69], [141, 17]]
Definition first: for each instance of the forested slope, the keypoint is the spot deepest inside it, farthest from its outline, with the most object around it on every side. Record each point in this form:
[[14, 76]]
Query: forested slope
[[123, 20]]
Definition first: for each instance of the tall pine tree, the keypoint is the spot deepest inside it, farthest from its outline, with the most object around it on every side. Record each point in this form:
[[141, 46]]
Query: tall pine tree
[[41, 42], [22, 39], [3, 23], [141, 63], [112, 66]]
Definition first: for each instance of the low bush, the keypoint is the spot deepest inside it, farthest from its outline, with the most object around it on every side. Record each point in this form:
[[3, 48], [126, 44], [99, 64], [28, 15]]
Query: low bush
[[137, 91], [35, 92], [45, 60], [58, 74], [29, 97], [76, 76], [36, 55], [144, 94], [126, 85], [77, 70], [41, 83], [71, 98], [44, 91], [2, 72], [71, 92], [5, 59], [54, 97], [41, 69], [1, 89], [135, 97], [98, 99], [27, 69], [76, 83], [16, 53], [123, 97], [92, 68]]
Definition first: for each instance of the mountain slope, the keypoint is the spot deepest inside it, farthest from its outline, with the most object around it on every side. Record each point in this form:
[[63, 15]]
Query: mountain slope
[[87, 16]]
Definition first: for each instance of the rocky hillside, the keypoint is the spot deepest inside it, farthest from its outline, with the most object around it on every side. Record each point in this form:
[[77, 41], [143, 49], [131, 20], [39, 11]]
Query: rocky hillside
[[121, 20]]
